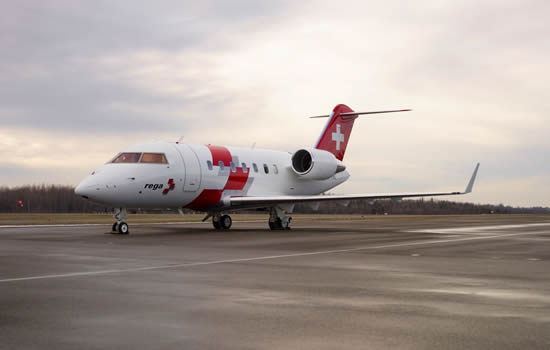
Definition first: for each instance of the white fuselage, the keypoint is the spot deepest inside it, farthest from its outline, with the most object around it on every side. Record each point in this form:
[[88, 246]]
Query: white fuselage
[[199, 177]]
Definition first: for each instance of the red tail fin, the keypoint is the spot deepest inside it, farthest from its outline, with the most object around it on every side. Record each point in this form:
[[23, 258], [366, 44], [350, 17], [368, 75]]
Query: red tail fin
[[335, 136]]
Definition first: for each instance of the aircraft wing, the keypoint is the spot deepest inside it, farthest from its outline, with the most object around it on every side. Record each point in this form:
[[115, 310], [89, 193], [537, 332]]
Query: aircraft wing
[[245, 202]]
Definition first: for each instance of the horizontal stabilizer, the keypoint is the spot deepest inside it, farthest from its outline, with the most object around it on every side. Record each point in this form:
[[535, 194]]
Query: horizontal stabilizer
[[351, 114]]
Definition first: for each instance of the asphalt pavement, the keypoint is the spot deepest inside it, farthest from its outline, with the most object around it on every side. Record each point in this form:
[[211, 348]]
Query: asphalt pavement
[[460, 282]]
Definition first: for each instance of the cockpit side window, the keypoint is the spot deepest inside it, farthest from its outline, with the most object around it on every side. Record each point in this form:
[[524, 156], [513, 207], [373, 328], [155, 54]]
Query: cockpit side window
[[155, 158], [127, 157]]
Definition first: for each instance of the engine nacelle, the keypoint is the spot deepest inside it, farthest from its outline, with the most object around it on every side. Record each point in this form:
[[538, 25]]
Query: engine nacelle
[[315, 164]]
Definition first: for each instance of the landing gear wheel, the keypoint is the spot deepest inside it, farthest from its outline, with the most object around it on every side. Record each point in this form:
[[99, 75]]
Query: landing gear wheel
[[225, 222], [216, 224], [278, 220], [123, 228], [287, 225], [279, 224], [120, 225]]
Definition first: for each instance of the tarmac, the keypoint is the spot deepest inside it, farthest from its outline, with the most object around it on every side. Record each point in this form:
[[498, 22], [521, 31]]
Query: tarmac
[[449, 282]]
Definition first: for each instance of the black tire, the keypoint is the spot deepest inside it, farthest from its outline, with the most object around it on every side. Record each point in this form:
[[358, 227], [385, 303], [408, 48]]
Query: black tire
[[283, 227], [123, 228], [288, 224], [276, 225], [115, 227], [225, 222], [216, 224]]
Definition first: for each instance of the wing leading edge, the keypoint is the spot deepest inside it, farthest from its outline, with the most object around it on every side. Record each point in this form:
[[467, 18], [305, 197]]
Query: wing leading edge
[[250, 202]]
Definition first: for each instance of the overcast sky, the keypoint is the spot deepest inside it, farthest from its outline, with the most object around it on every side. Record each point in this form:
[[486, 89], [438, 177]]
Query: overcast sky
[[81, 80]]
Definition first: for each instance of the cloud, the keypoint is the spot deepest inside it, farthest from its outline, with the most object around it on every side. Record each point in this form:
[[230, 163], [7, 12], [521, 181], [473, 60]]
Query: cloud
[[106, 74], [118, 68]]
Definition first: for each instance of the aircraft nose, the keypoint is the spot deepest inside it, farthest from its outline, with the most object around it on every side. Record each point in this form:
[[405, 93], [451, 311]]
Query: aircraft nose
[[84, 189], [79, 190]]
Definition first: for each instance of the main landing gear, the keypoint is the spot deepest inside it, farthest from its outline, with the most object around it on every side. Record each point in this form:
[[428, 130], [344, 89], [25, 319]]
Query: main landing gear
[[120, 226], [221, 222], [278, 220]]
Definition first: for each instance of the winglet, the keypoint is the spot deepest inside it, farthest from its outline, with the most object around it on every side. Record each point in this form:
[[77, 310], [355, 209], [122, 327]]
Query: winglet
[[472, 180]]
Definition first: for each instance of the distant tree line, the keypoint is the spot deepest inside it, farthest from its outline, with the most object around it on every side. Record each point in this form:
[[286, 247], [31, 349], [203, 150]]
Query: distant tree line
[[62, 199], [44, 199], [415, 207]]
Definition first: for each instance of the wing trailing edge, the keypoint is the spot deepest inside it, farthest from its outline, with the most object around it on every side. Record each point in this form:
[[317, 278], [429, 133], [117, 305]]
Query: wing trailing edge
[[251, 202]]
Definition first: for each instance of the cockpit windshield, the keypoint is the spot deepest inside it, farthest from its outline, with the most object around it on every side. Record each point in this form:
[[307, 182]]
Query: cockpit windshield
[[135, 157], [158, 158], [127, 158]]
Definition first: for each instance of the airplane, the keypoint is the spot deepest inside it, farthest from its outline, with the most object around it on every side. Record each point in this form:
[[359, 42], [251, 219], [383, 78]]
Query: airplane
[[221, 179]]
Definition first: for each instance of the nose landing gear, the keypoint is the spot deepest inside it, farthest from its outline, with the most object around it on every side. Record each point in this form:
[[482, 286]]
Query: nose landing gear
[[120, 226]]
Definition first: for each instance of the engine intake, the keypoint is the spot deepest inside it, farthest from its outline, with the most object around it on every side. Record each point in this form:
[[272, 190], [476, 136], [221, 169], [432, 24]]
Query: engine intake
[[315, 164], [302, 162]]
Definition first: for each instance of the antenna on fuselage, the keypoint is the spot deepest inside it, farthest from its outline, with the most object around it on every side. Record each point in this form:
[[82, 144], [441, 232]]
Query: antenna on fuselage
[[180, 139], [253, 146]]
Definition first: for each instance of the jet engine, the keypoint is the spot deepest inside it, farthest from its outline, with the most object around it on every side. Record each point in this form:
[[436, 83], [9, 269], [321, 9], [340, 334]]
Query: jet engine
[[315, 164]]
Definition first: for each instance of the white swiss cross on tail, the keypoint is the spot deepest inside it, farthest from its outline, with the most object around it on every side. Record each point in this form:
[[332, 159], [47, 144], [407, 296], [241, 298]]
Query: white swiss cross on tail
[[338, 129], [336, 133], [338, 136]]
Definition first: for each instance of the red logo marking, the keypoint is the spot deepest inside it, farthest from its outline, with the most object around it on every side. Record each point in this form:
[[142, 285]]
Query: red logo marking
[[171, 186]]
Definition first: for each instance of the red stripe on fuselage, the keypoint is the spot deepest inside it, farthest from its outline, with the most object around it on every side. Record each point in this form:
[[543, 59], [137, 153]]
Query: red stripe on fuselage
[[220, 153], [205, 200], [236, 181]]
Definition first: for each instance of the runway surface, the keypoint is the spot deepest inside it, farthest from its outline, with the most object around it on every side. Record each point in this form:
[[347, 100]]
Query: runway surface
[[463, 282]]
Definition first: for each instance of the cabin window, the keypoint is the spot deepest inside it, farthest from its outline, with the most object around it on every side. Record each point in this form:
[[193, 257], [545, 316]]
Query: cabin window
[[127, 157], [275, 170], [245, 169], [233, 168], [266, 169], [255, 167], [153, 158], [220, 164], [209, 164]]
